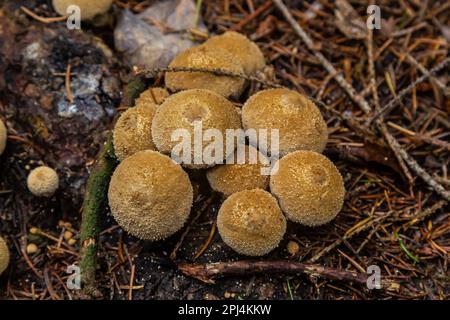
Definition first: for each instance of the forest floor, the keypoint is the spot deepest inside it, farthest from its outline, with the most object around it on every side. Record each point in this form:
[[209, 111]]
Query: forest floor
[[389, 127]]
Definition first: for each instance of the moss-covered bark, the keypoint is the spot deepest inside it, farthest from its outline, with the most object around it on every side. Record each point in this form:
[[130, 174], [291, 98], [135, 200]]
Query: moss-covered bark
[[95, 200]]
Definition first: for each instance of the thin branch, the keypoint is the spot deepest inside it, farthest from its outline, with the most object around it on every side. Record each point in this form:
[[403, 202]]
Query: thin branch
[[45, 20], [436, 186], [208, 272], [218, 72], [424, 213], [424, 70], [376, 99], [393, 103]]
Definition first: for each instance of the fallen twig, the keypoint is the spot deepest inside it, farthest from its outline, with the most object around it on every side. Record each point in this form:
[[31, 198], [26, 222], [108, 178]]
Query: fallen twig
[[391, 104], [208, 272], [376, 99], [218, 72], [425, 213], [42, 19], [424, 70]]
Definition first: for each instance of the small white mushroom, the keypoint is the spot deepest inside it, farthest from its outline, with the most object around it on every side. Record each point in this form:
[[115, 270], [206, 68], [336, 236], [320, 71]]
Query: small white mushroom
[[43, 181]]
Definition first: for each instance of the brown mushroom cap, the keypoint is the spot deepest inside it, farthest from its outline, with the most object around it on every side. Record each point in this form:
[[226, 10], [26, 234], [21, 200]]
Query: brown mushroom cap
[[309, 188], [182, 109], [209, 58], [235, 177], [3, 136], [4, 255], [152, 95], [246, 51], [132, 132], [43, 181], [150, 196], [299, 121], [88, 8], [251, 222]]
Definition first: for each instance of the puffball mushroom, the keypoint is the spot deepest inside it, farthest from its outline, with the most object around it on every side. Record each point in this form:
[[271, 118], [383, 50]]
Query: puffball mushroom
[[152, 95], [246, 51], [299, 121], [88, 8], [208, 58], [43, 181], [132, 132], [4, 255], [251, 222], [309, 188], [186, 109], [3, 136], [234, 177], [150, 195]]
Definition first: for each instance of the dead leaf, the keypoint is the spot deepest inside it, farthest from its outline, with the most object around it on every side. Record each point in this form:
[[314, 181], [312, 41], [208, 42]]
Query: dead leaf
[[158, 34]]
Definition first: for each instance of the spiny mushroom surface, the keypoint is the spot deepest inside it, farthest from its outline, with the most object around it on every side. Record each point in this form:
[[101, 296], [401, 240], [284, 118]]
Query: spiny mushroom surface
[[43, 181], [299, 121], [152, 95], [88, 8], [3, 136], [132, 132], [183, 109], [246, 51], [309, 188], [251, 222], [4, 255], [209, 58], [233, 177], [150, 195]]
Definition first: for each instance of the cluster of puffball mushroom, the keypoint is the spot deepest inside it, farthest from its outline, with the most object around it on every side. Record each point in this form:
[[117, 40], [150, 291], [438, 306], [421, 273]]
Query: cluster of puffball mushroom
[[150, 195]]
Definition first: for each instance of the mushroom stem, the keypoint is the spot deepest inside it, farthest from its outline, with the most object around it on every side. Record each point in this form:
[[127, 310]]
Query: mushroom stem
[[95, 199], [207, 272]]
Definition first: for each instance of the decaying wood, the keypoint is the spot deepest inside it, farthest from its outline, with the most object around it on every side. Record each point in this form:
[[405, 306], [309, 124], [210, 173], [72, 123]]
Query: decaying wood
[[208, 272], [95, 200]]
